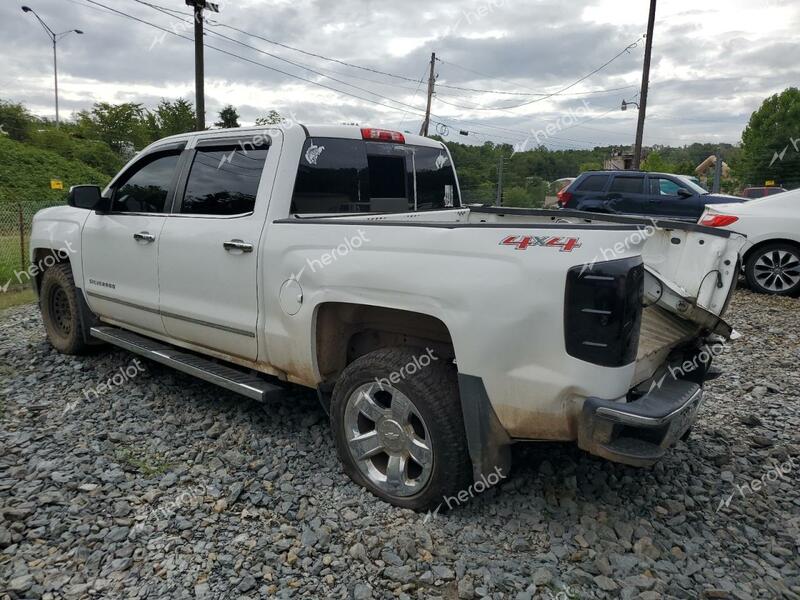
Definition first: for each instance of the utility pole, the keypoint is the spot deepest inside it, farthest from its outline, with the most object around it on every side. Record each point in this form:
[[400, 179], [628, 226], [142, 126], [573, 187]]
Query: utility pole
[[431, 83], [648, 50], [499, 200], [199, 68]]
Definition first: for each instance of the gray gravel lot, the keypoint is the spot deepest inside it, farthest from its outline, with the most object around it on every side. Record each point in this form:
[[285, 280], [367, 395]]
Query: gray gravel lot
[[166, 487]]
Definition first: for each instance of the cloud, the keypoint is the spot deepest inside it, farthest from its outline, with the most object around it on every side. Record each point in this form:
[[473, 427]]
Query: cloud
[[712, 67]]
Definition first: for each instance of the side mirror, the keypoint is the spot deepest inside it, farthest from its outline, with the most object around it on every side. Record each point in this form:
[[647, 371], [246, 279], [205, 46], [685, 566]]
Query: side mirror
[[84, 196], [684, 193]]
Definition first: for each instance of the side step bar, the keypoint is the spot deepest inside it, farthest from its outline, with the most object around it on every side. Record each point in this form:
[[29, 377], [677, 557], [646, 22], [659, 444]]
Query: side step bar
[[203, 368]]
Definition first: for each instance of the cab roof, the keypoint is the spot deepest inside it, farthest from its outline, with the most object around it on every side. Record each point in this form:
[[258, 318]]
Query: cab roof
[[352, 132]]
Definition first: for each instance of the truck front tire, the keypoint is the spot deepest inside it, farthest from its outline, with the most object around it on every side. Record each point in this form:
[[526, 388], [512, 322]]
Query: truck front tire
[[58, 301], [396, 418]]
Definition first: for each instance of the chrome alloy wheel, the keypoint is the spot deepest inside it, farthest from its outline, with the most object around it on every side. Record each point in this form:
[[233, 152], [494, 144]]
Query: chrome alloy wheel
[[388, 439], [777, 270]]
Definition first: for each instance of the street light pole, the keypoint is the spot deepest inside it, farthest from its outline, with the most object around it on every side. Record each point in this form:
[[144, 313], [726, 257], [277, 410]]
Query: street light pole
[[54, 37], [55, 78]]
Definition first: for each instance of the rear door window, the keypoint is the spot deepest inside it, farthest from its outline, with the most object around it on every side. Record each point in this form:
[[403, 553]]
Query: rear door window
[[224, 180], [593, 183], [627, 185]]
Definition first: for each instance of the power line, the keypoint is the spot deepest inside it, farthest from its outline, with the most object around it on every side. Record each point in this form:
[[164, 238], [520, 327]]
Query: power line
[[421, 79], [312, 70], [435, 118], [276, 57], [355, 66], [216, 23], [627, 49], [292, 75], [606, 92], [531, 93]]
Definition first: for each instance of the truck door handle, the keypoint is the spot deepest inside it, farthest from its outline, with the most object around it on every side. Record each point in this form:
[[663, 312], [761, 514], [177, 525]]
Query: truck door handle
[[237, 245], [144, 236]]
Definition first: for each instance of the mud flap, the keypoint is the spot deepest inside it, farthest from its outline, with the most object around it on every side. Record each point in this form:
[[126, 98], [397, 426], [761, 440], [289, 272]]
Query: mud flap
[[489, 444]]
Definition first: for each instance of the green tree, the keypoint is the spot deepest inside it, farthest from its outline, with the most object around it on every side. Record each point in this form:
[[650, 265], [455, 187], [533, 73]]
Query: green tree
[[771, 141], [171, 118], [590, 166], [273, 118], [121, 126], [15, 121], [655, 163], [228, 117]]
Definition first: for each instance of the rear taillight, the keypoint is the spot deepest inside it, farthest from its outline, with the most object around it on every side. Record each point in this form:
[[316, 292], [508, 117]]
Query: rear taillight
[[603, 311], [563, 197], [719, 220], [382, 135]]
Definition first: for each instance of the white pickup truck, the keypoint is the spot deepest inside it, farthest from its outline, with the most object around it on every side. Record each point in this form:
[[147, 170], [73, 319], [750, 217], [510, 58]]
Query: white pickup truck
[[436, 334]]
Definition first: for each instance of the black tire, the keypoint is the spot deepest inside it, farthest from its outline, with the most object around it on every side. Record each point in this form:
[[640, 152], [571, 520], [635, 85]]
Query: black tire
[[433, 392], [58, 301], [761, 280]]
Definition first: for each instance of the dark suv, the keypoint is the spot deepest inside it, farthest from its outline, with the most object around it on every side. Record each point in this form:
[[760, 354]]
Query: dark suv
[[639, 193]]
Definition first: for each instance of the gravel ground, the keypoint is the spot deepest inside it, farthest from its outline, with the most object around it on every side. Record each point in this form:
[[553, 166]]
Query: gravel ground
[[166, 487]]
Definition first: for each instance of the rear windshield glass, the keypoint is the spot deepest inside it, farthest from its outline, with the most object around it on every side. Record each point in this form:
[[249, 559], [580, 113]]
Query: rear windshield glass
[[354, 176]]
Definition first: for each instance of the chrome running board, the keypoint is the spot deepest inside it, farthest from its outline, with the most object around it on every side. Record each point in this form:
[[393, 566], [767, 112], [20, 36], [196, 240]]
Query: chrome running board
[[241, 382]]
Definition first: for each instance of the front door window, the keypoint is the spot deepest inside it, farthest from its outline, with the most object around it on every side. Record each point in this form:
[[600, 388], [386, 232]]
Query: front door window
[[146, 188]]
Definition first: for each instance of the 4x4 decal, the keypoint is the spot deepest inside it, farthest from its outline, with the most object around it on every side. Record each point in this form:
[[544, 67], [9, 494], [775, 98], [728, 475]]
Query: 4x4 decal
[[523, 242]]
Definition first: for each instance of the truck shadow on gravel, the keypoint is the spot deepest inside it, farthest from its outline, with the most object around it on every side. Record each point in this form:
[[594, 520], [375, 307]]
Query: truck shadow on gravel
[[546, 476]]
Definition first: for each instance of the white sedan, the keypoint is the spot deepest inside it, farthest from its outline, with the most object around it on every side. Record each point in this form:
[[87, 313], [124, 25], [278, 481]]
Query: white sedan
[[771, 257]]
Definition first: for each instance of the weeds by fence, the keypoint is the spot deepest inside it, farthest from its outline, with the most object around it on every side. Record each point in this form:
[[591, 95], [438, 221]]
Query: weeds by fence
[[15, 232]]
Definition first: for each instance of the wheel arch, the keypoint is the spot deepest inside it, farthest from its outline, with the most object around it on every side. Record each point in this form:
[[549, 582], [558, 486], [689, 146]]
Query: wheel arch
[[766, 242], [44, 258], [345, 331]]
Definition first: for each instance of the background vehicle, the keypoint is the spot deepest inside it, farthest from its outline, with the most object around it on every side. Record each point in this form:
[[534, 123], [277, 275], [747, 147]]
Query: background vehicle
[[551, 199], [341, 259], [771, 257], [639, 193], [760, 192]]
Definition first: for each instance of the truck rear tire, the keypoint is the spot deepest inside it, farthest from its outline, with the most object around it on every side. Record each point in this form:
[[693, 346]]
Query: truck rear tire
[[58, 301], [399, 429]]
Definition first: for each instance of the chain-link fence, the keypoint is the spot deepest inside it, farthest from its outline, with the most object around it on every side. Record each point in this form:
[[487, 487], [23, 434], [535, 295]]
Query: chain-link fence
[[15, 231]]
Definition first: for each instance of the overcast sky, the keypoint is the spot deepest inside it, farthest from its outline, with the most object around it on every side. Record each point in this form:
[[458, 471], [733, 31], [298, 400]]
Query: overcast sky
[[713, 63]]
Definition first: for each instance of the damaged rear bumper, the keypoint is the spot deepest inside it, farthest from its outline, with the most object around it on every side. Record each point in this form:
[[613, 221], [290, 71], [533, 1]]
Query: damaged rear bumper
[[639, 433]]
